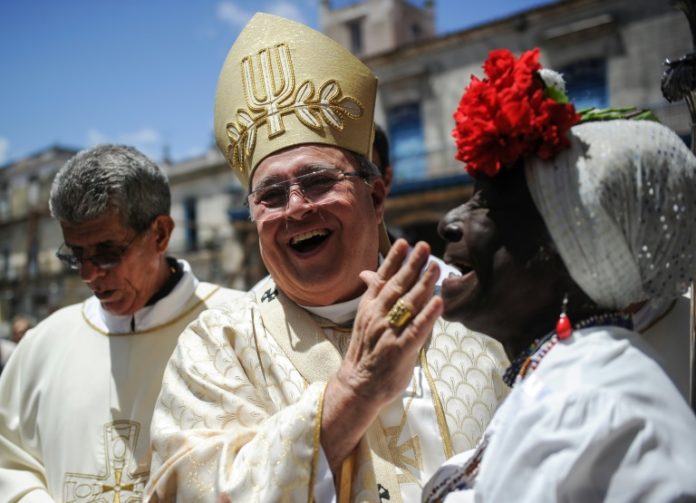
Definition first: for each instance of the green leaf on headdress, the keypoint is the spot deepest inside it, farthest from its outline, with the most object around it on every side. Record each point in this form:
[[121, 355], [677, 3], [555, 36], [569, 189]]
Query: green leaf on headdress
[[556, 94], [608, 114]]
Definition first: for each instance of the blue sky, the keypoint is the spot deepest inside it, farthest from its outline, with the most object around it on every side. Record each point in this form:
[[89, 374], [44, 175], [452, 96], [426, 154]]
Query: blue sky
[[142, 72]]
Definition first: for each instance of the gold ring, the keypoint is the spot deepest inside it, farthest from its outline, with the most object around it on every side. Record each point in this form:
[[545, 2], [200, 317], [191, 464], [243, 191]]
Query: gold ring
[[400, 314]]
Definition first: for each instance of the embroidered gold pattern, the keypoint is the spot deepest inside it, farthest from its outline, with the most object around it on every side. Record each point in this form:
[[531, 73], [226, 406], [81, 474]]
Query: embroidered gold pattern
[[230, 350], [119, 481], [269, 96], [466, 370], [317, 446], [408, 453], [437, 405]]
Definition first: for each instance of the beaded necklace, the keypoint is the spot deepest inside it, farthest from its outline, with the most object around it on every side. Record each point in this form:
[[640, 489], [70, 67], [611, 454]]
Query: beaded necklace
[[529, 359]]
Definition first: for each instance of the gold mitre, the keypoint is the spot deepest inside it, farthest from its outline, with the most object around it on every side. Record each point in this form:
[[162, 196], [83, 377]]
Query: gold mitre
[[284, 84]]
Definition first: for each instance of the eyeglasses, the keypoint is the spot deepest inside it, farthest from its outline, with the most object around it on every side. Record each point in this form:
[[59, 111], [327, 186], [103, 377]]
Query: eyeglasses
[[314, 187], [107, 258]]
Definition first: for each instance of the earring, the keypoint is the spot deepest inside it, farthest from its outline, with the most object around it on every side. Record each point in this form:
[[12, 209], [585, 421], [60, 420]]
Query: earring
[[563, 326]]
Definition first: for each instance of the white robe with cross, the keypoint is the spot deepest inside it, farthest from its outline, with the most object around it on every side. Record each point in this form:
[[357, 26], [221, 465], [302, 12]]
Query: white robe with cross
[[77, 397]]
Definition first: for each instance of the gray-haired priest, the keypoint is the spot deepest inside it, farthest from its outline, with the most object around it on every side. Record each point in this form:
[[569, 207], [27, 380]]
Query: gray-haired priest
[[77, 396], [337, 378]]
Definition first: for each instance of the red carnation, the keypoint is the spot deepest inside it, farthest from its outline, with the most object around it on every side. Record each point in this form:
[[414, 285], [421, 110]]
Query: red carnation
[[507, 116]]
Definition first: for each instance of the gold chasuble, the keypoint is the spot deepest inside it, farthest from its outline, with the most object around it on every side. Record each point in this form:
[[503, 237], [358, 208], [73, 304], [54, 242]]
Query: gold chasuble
[[239, 416], [76, 401]]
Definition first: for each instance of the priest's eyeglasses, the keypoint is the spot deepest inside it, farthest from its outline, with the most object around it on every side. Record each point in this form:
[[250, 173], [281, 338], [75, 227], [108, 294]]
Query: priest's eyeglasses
[[268, 201], [106, 258]]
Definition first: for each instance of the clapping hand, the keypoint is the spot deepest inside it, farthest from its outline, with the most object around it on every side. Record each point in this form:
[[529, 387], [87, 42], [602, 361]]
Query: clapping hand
[[394, 320]]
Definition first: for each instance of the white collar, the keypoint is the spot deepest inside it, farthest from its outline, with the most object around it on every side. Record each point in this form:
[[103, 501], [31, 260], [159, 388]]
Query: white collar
[[149, 316], [340, 314]]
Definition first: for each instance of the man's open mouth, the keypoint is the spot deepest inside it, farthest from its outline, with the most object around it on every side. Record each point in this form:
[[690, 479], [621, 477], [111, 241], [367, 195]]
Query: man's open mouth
[[308, 241], [103, 294], [459, 262]]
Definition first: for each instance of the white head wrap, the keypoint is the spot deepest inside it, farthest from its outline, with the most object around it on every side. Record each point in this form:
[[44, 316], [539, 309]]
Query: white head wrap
[[620, 206]]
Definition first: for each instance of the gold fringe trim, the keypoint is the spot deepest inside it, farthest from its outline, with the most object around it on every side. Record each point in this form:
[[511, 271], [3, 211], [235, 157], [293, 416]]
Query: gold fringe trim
[[317, 444], [346, 482], [439, 410]]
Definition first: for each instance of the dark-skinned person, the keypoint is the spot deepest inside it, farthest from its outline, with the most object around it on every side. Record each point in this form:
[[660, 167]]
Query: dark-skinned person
[[571, 223], [77, 396], [338, 381]]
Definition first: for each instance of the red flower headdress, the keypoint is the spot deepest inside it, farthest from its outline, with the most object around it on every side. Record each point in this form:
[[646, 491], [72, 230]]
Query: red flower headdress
[[510, 114]]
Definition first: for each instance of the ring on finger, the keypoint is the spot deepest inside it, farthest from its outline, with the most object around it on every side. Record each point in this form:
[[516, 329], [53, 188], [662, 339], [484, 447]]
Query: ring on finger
[[400, 314]]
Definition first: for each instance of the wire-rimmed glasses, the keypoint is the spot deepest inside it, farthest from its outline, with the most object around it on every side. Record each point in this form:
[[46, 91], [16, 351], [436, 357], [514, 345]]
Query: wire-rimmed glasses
[[106, 258], [268, 201]]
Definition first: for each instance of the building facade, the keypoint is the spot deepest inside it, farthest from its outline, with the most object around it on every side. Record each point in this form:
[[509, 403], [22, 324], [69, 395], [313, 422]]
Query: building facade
[[610, 51], [32, 280], [204, 195]]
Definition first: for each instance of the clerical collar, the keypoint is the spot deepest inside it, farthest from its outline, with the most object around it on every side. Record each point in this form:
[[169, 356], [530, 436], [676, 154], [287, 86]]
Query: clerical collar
[[149, 316], [177, 271], [342, 313]]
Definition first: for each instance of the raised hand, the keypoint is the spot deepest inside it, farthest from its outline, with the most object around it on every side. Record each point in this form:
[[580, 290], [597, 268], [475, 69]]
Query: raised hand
[[387, 337]]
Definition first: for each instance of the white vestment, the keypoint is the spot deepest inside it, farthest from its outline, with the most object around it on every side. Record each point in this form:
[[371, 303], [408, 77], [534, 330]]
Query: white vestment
[[598, 420], [238, 418], [77, 397]]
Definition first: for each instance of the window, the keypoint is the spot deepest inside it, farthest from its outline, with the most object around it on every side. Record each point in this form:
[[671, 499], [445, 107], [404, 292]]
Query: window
[[407, 144], [5, 263], [33, 191], [4, 201], [33, 260], [356, 38], [586, 83], [191, 225], [416, 31]]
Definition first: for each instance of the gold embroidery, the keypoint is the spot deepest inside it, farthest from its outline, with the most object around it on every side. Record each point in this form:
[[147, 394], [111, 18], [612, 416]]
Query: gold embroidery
[[338, 336], [464, 368], [197, 477], [408, 453], [439, 411], [269, 97], [345, 481], [273, 93], [117, 487], [317, 444], [399, 453], [120, 441]]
